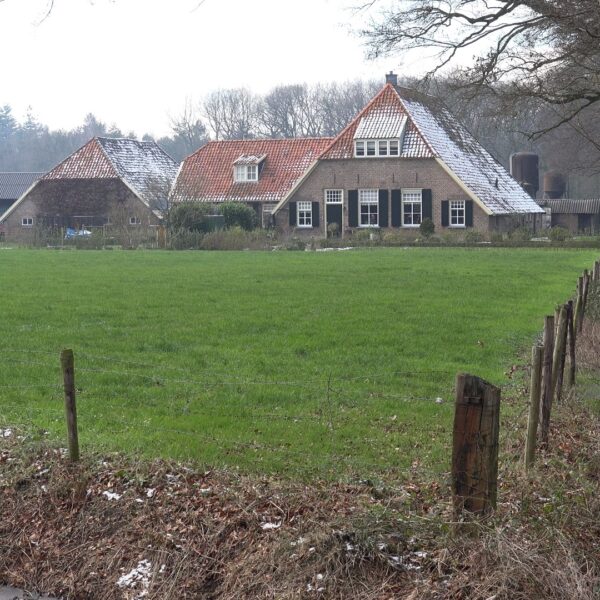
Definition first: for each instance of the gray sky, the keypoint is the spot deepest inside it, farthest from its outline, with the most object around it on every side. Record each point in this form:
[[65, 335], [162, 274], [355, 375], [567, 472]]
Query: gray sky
[[135, 62]]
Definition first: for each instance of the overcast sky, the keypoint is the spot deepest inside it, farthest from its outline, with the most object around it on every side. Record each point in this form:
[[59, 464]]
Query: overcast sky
[[134, 62]]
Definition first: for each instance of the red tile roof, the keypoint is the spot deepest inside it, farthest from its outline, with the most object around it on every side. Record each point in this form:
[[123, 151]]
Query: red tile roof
[[207, 175]]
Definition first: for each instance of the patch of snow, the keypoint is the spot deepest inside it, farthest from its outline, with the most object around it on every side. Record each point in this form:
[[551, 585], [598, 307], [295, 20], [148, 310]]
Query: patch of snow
[[439, 400], [150, 493], [111, 495], [268, 526], [139, 577], [6, 433]]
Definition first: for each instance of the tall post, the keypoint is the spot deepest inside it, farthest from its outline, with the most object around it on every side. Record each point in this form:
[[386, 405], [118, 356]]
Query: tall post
[[579, 306], [475, 445], [67, 362], [571, 332], [537, 355], [559, 352], [546, 396]]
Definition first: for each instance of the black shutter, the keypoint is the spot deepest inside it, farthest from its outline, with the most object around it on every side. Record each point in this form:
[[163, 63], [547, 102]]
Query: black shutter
[[315, 215], [353, 208], [383, 208], [469, 213], [426, 204], [445, 213], [292, 207], [396, 208]]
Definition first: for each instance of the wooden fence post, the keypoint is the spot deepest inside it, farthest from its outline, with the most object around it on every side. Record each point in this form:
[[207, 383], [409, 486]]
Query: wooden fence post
[[558, 363], [597, 270], [475, 445], [579, 306], [546, 396], [537, 355], [68, 367], [571, 332], [586, 289]]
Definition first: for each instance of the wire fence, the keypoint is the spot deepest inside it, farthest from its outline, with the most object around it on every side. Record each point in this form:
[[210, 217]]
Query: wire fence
[[325, 421]]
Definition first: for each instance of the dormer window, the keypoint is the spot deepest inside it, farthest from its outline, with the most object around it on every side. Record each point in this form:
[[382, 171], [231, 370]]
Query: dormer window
[[372, 148], [247, 168], [246, 173]]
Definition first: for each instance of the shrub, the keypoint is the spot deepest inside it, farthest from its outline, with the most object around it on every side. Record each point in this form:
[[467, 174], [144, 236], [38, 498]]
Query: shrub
[[237, 238], [427, 228], [474, 237], [184, 239], [237, 214], [559, 234], [520, 234], [191, 216]]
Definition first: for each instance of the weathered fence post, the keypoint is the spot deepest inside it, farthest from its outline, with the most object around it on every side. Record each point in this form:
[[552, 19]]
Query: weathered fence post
[[475, 445], [579, 307], [571, 331], [537, 355], [546, 396], [597, 270], [558, 362], [67, 362]]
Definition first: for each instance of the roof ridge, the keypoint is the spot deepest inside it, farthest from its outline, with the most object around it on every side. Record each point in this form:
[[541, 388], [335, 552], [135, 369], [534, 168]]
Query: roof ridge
[[412, 120]]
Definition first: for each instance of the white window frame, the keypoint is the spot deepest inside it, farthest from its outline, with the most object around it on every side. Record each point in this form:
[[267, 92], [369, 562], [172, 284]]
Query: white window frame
[[368, 198], [455, 218], [377, 148], [134, 221], [334, 196], [408, 197], [304, 214], [245, 173], [27, 222]]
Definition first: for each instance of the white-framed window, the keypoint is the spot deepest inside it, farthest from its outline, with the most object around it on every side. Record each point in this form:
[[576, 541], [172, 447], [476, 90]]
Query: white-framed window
[[267, 213], [368, 208], [372, 148], [334, 196], [457, 213], [27, 222], [135, 221], [243, 173], [412, 208], [304, 214]]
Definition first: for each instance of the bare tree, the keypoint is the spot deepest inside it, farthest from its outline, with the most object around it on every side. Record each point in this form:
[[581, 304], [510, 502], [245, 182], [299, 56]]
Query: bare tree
[[231, 114], [541, 51]]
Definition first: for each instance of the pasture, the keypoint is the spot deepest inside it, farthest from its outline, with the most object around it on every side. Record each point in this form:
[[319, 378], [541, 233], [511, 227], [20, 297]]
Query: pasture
[[307, 364]]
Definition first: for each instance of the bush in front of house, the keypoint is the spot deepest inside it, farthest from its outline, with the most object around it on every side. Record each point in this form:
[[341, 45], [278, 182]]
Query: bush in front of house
[[559, 234], [237, 214], [237, 238], [427, 228], [191, 216]]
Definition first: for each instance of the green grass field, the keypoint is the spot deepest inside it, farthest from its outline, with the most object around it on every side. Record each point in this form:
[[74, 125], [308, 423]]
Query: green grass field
[[320, 364]]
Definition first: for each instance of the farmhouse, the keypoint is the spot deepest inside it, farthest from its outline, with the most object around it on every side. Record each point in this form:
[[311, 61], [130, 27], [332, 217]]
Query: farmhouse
[[259, 173], [403, 159], [118, 181]]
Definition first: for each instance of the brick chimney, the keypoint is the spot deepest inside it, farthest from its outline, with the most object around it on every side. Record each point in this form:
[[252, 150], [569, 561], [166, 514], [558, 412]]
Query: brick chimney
[[392, 78]]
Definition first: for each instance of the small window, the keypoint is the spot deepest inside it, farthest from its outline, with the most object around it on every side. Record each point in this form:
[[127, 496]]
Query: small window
[[411, 208], [135, 221], [27, 222], [244, 173], [304, 214], [368, 206], [394, 148], [383, 148], [457, 213], [360, 148], [267, 214], [334, 196], [376, 147], [371, 148]]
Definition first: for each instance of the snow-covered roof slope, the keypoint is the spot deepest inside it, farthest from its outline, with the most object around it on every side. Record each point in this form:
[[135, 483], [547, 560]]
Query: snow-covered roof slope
[[381, 124], [468, 160], [144, 166]]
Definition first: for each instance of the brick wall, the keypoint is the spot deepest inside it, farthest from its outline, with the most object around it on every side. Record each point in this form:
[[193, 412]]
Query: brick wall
[[378, 173]]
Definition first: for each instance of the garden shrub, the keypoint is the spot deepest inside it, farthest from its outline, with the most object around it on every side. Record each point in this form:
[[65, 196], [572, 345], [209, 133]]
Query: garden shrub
[[520, 234], [191, 216], [559, 234], [237, 214], [427, 228], [474, 237]]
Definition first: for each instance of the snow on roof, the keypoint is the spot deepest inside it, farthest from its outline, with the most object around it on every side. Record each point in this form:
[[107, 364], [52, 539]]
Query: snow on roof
[[13, 185], [382, 124], [207, 175], [468, 160], [144, 166], [249, 159]]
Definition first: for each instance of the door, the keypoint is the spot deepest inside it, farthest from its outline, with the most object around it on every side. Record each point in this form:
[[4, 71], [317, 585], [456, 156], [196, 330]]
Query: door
[[334, 212]]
